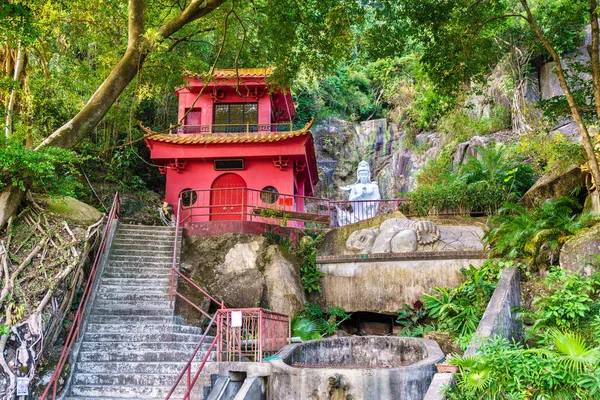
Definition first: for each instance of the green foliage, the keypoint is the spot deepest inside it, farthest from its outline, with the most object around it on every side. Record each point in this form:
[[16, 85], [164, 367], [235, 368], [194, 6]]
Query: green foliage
[[309, 272], [570, 300], [460, 126], [51, 170], [4, 330], [529, 234], [312, 323], [483, 184], [503, 370], [413, 321], [494, 164], [459, 310], [551, 153]]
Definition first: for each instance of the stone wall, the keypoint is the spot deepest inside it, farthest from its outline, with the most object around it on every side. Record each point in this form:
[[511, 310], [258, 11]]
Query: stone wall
[[382, 285], [498, 320]]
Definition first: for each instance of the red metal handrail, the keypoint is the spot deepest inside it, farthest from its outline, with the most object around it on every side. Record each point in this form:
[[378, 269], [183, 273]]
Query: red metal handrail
[[175, 273], [74, 332], [187, 370]]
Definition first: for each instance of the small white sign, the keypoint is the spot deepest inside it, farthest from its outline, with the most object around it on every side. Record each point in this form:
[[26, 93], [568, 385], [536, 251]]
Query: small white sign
[[236, 319], [22, 386]]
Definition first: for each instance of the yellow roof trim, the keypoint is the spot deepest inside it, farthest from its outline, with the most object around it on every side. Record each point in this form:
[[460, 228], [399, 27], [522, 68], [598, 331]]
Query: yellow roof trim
[[217, 138]]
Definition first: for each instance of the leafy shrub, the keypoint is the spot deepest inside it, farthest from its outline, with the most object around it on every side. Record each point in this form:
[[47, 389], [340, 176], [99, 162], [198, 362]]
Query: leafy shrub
[[483, 184], [413, 321], [310, 274], [529, 234], [312, 323], [459, 310], [569, 300], [49, 170], [503, 370]]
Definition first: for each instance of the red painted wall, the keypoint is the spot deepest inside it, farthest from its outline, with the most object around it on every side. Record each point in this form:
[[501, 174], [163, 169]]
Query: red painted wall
[[205, 103], [199, 174]]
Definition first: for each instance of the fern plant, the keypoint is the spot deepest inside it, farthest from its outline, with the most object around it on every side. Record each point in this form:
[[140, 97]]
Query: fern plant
[[521, 233]]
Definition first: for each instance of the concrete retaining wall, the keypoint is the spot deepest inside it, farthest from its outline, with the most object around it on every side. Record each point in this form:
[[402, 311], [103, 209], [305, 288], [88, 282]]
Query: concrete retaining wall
[[383, 285], [498, 320]]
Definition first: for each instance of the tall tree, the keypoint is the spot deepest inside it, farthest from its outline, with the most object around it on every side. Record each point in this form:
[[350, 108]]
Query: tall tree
[[285, 33], [460, 43]]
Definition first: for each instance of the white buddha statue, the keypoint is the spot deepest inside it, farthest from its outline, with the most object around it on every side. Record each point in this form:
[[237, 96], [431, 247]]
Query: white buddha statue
[[363, 190]]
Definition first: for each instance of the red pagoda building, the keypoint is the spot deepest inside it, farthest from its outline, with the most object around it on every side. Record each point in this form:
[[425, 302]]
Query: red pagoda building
[[236, 155]]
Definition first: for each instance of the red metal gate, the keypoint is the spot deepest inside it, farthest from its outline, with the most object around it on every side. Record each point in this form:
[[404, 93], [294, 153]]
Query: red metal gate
[[227, 198]]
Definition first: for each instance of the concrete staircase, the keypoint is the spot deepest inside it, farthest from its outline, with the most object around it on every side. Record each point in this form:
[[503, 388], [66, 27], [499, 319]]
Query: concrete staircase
[[133, 346]]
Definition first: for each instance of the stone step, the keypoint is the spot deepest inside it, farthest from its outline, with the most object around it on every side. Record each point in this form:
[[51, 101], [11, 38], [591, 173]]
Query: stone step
[[135, 233], [128, 319], [130, 337], [138, 304], [142, 355], [91, 367], [153, 282], [125, 297], [125, 379], [135, 259], [125, 392], [133, 275], [127, 239], [140, 246], [140, 264], [141, 347], [150, 251], [153, 268], [104, 288], [108, 310], [141, 328]]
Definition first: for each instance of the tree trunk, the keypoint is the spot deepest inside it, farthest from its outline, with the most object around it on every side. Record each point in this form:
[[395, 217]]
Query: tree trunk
[[102, 100], [560, 74], [19, 63], [10, 198]]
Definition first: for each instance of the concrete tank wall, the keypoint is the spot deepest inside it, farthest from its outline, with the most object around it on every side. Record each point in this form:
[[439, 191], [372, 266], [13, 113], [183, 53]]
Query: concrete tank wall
[[408, 382]]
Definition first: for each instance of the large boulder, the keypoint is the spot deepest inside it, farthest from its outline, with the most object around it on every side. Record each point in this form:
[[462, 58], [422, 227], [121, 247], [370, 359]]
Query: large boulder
[[284, 292], [70, 209], [554, 185], [245, 271], [579, 251]]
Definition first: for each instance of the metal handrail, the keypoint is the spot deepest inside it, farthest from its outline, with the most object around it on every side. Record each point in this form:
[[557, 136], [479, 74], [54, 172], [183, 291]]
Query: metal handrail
[[175, 273], [74, 332], [187, 370]]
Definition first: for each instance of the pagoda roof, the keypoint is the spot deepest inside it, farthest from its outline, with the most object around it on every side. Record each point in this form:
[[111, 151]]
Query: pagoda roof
[[239, 72], [217, 138]]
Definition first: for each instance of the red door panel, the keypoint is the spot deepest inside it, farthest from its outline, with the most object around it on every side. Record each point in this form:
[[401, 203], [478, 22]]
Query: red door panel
[[227, 197]]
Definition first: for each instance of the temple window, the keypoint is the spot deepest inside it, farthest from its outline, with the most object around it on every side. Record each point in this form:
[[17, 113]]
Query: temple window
[[236, 117]]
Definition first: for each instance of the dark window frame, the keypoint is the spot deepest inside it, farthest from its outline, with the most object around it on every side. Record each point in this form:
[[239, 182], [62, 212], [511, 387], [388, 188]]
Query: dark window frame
[[235, 127]]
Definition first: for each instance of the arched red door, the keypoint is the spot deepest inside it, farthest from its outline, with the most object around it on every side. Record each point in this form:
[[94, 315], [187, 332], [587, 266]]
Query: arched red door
[[227, 197]]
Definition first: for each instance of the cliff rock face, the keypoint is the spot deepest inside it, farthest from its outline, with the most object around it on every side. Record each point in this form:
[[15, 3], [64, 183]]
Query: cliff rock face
[[245, 271], [342, 145]]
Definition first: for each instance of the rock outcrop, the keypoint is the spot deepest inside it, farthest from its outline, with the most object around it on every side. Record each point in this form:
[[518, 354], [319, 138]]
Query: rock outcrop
[[554, 185], [581, 251], [245, 271]]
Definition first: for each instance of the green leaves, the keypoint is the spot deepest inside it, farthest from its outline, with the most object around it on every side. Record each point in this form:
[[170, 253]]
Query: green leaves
[[519, 232], [51, 170], [459, 310]]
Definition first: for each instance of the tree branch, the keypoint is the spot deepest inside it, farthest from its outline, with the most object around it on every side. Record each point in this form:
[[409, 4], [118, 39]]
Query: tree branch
[[136, 21], [196, 9], [176, 41]]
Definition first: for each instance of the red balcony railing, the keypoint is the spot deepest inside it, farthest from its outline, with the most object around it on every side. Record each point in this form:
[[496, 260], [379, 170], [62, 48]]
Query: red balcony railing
[[253, 205], [233, 128], [75, 330]]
